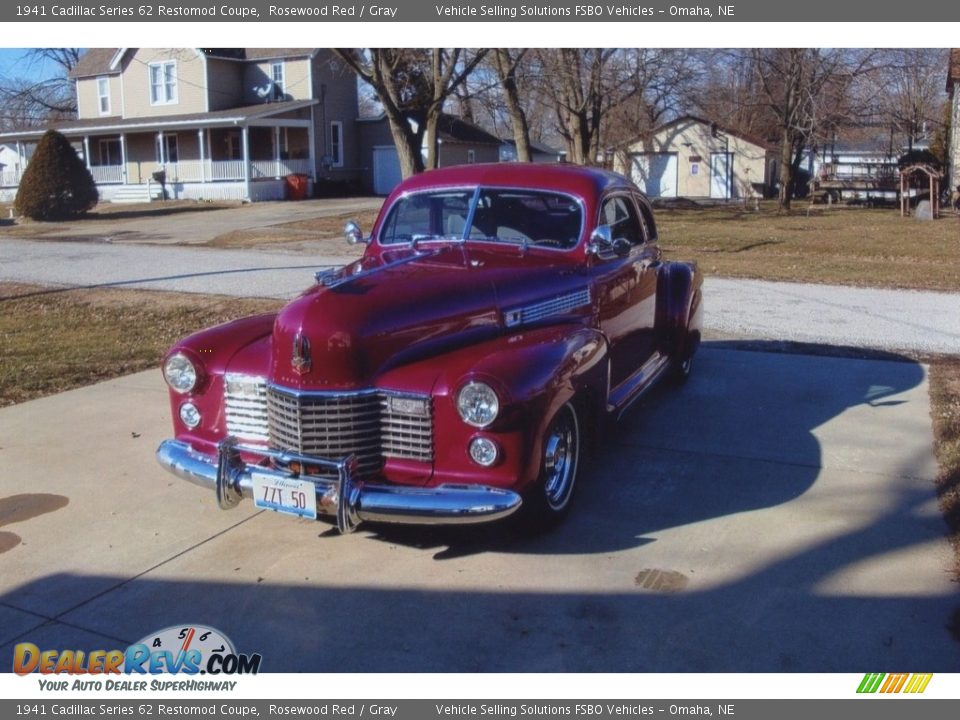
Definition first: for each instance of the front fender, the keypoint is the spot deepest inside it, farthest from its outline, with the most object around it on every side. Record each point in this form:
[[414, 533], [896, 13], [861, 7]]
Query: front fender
[[534, 373]]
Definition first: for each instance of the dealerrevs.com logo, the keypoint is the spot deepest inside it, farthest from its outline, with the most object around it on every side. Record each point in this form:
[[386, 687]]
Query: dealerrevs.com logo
[[892, 683], [179, 649]]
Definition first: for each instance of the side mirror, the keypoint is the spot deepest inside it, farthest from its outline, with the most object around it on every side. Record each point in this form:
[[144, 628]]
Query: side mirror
[[602, 243], [621, 247], [353, 233], [601, 240]]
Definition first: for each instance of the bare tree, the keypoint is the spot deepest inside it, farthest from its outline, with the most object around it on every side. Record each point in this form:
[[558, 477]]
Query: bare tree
[[808, 92], [28, 101], [664, 82], [413, 85], [606, 97], [583, 85], [908, 88], [507, 63], [730, 94]]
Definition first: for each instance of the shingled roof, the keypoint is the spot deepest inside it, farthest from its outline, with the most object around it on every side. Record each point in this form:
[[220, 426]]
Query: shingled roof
[[96, 61]]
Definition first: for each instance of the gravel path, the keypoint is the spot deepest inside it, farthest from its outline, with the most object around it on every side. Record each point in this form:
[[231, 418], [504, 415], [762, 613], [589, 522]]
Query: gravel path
[[755, 309], [834, 315]]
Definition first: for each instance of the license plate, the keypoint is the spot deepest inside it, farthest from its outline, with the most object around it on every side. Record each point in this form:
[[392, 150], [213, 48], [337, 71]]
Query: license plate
[[285, 495]]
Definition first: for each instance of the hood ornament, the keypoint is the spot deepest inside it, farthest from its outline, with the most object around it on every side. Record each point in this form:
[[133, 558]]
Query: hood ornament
[[300, 359]]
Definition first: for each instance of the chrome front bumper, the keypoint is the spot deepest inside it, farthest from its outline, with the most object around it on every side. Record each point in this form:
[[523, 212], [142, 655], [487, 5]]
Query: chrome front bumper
[[349, 500]]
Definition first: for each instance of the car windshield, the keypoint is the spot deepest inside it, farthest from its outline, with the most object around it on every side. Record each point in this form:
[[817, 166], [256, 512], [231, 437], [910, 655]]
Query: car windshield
[[531, 217]]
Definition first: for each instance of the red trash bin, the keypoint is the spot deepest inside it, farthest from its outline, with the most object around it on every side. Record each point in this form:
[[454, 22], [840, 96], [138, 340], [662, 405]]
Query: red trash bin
[[297, 186]]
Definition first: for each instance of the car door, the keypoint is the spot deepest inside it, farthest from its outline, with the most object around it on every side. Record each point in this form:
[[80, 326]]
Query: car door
[[625, 286]]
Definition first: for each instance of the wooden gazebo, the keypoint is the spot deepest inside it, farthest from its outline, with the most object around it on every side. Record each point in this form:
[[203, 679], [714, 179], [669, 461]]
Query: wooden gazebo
[[914, 177]]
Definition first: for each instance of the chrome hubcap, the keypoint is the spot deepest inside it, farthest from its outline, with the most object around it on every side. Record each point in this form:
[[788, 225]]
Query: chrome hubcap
[[560, 459]]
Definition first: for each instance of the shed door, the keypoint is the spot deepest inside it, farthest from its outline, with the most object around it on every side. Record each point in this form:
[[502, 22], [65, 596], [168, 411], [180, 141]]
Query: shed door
[[655, 173], [720, 175], [386, 169]]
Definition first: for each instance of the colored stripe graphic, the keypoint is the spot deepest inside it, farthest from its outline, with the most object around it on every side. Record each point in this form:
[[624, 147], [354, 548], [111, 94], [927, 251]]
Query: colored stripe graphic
[[894, 682], [870, 682], [918, 683], [913, 683]]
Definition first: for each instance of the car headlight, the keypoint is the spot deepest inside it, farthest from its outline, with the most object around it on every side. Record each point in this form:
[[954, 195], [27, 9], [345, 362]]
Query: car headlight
[[483, 451], [478, 404], [180, 373], [190, 415]]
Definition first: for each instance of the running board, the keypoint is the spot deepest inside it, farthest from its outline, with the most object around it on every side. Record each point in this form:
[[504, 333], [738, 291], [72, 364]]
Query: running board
[[632, 389]]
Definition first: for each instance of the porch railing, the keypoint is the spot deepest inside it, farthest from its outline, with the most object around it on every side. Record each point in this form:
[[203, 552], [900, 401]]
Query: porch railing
[[225, 169], [189, 171], [107, 174], [278, 168], [10, 178]]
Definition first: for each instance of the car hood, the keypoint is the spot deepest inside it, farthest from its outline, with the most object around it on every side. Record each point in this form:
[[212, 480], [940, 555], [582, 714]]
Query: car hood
[[415, 305]]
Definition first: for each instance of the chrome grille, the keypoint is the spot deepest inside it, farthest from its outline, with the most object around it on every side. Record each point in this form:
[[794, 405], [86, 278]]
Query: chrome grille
[[371, 424], [328, 425], [405, 435], [245, 402], [547, 308]]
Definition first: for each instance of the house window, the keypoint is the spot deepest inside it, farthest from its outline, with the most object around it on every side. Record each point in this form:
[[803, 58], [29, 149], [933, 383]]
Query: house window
[[471, 156], [276, 75], [163, 83], [109, 151], [234, 146], [103, 95], [336, 144], [169, 152]]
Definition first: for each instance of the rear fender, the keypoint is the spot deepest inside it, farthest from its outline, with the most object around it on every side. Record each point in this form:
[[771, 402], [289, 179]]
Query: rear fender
[[679, 309]]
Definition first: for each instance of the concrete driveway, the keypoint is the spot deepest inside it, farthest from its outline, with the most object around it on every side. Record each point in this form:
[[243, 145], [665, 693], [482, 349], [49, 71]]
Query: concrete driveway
[[777, 513]]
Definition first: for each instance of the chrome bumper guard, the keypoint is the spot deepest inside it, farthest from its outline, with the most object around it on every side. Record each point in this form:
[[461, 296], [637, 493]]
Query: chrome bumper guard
[[349, 500]]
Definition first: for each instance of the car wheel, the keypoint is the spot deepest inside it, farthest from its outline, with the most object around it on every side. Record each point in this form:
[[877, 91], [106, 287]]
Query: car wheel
[[549, 501]]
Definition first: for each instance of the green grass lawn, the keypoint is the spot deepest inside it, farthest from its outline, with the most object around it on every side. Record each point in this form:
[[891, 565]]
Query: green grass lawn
[[841, 245]]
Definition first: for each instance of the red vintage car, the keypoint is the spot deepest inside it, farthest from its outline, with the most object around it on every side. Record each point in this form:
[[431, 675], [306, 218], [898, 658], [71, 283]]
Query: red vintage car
[[454, 372]]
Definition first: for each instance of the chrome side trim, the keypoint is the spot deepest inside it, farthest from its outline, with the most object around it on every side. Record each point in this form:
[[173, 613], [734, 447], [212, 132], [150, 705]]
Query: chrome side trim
[[546, 308], [350, 501], [632, 389]]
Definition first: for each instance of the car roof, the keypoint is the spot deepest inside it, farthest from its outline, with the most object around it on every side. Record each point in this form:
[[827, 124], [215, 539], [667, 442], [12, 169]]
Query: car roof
[[575, 179]]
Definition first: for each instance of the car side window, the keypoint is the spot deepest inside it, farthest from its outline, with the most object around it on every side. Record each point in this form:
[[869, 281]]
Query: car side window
[[620, 214]]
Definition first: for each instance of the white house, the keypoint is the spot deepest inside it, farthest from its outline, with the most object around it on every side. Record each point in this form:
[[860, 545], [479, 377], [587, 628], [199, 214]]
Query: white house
[[695, 158]]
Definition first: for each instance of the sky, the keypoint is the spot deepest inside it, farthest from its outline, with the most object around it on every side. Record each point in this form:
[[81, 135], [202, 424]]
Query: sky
[[13, 64]]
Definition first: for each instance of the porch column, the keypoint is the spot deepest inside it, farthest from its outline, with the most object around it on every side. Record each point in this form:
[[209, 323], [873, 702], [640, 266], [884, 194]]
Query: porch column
[[86, 150], [203, 163], [276, 152], [161, 153], [21, 162], [312, 146], [245, 138], [123, 158]]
